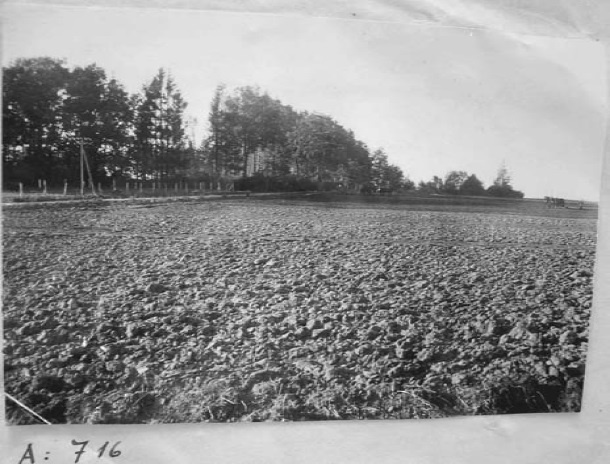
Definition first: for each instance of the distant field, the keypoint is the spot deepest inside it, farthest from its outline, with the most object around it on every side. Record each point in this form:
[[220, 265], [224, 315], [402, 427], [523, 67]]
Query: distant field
[[411, 200], [295, 307], [533, 207]]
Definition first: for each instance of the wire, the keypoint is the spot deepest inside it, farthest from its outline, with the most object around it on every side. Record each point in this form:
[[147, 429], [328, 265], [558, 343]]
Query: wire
[[19, 403]]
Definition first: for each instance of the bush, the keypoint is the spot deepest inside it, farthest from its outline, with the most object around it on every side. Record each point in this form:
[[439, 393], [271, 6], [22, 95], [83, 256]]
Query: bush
[[503, 191], [260, 183]]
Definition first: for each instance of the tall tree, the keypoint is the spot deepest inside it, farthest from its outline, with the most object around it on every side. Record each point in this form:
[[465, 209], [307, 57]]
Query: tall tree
[[501, 186], [435, 185], [242, 109], [217, 144], [117, 115], [318, 146], [98, 112], [503, 177], [159, 129], [359, 163], [453, 181], [33, 91], [379, 168], [384, 174], [394, 177], [259, 124]]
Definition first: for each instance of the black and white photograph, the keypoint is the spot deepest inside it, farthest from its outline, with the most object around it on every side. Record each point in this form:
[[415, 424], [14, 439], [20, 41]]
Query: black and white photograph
[[227, 217]]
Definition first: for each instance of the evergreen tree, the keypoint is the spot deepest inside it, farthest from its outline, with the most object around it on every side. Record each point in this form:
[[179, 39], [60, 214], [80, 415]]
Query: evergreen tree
[[501, 186], [159, 130]]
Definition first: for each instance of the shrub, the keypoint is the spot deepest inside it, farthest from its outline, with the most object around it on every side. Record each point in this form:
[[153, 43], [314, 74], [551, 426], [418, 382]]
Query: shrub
[[260, 183]]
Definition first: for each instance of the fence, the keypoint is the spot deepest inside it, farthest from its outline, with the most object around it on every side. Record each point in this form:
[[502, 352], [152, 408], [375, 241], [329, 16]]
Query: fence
[[127, 188]]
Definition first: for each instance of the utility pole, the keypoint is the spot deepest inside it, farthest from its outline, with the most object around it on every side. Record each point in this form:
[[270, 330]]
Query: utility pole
[[89, 173], [82, 169], [161, 158], [84, 161]]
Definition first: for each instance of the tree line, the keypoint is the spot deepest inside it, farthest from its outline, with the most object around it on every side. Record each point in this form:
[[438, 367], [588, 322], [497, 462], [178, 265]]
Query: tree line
[[252, 134], [51, 111], [462, 183]]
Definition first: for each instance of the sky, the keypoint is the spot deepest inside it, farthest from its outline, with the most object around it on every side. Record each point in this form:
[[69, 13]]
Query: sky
[[434, 98]]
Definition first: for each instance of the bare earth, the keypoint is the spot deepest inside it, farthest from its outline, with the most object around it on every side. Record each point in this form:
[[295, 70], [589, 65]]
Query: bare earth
[[248, 309]]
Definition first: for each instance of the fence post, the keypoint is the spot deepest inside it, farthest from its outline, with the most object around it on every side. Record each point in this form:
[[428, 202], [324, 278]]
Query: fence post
[[44, 187], [126, 187], [39, 184], [20, 189], [114, 185], [141, 188], [65, 187], [99, 187]]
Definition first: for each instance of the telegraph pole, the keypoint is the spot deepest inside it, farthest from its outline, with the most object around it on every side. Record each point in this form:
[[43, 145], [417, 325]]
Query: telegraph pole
[[89, 173], [82, 169], [84, 162]]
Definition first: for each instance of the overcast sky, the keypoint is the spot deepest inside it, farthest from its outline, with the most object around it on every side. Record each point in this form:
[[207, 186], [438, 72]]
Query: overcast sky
[[435, 98]]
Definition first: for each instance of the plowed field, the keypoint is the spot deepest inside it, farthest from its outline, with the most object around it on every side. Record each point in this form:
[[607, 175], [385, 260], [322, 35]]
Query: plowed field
[[230, 310]]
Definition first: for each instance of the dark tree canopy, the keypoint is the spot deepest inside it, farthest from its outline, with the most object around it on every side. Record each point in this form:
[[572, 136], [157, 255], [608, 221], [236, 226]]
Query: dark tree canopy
[[251, 133], [462, 183], [453, 181], [502, 187], [472, 186], [159, 130], [33, 92], [49, 110]]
